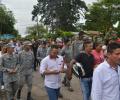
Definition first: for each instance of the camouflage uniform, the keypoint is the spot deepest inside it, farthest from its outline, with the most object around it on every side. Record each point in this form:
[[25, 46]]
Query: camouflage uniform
[[8, 62], [77, 47], [67, 53], [41, 53], [26, 60]]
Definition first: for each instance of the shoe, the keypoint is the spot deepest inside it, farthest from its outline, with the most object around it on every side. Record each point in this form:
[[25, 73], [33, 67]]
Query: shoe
[[70, 89], [64, 83], [60, 95], [29, 96], [18, 94], [2, 87]]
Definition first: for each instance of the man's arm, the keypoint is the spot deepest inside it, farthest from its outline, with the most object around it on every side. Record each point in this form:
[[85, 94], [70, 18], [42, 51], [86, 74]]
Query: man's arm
[[2, 68], [49, 72], [96, 92], [44, 70], [69, 70]]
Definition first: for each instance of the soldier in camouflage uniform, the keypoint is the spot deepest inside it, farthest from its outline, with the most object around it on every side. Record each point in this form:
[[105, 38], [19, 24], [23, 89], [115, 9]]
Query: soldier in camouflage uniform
[[77, 45], [67, 52], [26, 60], [42, 52], [9, 66]]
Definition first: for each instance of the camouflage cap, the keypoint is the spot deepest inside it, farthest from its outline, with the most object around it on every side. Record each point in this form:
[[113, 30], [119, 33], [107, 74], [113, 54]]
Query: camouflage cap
[[27, 43], [9, 45]]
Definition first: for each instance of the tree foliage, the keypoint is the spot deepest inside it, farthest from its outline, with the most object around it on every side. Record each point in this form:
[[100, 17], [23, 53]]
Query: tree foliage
[[60, 14], [36, 31], [7, 21], [102, 16]]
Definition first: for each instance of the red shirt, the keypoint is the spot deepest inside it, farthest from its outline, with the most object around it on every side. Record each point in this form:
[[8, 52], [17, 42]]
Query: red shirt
[[98, 56]]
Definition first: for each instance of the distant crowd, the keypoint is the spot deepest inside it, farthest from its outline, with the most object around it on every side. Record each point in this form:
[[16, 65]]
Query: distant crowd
[[95, 64]]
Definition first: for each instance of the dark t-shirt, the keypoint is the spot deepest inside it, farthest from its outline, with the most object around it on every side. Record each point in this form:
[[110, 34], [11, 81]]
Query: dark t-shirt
[[87, 62]]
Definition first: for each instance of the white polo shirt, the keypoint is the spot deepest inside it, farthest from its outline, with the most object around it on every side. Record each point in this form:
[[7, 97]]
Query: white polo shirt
[[106, 83], [52, 81]]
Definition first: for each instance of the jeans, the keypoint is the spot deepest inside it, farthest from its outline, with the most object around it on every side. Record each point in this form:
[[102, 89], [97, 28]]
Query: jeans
[[52, 93], [86, 84]]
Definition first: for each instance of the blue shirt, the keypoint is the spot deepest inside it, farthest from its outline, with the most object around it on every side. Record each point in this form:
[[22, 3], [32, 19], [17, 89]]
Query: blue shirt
[[106, 83]]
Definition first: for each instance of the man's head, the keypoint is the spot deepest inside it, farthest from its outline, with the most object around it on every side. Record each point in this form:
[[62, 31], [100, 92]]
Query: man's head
[[98, 46], [113, 52], [44, 44], [27, 45], [10, 48], [88, 46], [80, 34], [54, 51]]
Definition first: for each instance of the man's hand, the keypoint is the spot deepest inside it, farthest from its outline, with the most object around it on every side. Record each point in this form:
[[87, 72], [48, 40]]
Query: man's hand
[[52, 71], [12, 71]]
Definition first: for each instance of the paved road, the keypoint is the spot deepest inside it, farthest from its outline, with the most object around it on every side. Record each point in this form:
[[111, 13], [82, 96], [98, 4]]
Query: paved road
[[39, 93]]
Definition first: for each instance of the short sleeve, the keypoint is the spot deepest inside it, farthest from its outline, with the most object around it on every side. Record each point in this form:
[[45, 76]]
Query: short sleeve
[[43, 66]]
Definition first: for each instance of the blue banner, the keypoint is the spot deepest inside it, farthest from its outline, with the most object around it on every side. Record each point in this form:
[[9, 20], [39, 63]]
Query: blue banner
[[7, 36]]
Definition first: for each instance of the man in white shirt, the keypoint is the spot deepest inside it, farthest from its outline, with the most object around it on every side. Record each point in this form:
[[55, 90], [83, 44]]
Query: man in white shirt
[[51, 66], [106, 77]]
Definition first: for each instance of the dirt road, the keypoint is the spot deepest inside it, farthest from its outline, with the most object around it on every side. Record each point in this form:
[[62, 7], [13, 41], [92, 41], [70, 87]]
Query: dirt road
[[39, 93]]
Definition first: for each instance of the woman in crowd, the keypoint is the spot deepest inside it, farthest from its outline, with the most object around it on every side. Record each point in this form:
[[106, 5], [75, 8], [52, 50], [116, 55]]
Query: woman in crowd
[[98, 54], [2, 52]]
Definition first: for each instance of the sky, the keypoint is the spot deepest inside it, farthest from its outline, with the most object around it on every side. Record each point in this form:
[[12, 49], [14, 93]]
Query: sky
[[22, 11]]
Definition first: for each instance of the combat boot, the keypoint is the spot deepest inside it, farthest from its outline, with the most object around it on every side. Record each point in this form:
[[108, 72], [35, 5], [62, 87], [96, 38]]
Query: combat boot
[[29, 96], [19, 94]]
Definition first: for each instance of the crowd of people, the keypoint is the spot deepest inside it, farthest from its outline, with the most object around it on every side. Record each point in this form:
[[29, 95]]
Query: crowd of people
[[98, 74]]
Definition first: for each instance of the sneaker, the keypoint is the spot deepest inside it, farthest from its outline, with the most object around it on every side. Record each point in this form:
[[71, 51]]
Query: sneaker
[[60, 95], [2, 87], [70, 89]]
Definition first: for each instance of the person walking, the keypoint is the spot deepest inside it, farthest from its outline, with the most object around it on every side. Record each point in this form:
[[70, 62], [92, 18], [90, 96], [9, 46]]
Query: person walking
[[51, 66], [2, 52], [106, 77], [26, 60], [86, 59], [9, 66], [98, 54], [41, 52], [66, 52], [35, 48]]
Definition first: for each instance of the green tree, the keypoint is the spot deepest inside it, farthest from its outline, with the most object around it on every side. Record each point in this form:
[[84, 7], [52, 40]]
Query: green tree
[[7, 21], [60, 14], [102, 15], [33, 30]]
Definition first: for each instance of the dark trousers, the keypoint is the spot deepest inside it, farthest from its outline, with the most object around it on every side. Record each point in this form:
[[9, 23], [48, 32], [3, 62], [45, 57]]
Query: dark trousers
[[36, 63], [1, 78]]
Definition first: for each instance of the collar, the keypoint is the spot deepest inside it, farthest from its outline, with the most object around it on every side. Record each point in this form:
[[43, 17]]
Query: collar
[[54, 58], [108, 65]]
